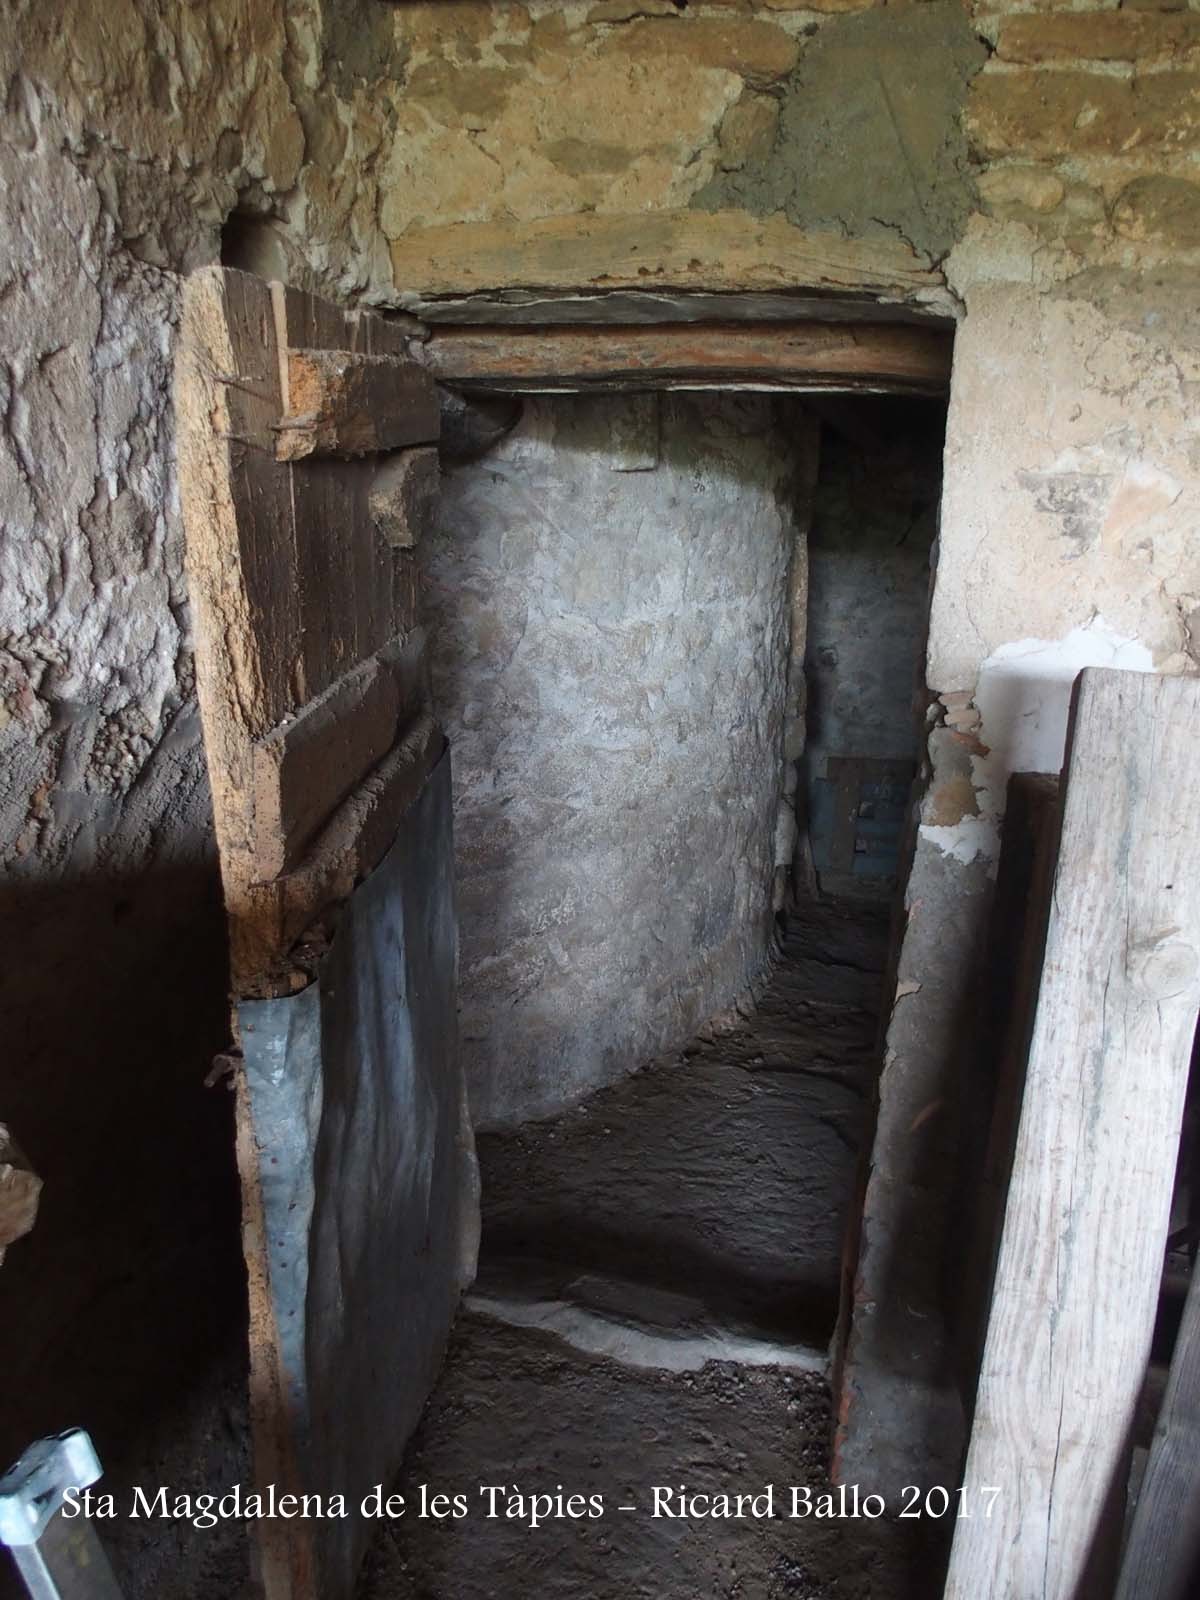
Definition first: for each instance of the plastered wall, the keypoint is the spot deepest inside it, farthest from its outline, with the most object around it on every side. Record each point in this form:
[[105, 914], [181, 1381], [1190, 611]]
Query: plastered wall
[[1031, 171], [610, 611]]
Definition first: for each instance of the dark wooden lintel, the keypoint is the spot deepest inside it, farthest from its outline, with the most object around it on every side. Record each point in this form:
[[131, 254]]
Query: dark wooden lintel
[[888, 358]]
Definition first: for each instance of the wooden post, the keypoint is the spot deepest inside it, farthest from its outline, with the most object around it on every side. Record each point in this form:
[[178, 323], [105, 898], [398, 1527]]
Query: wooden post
[[1088, 1205]]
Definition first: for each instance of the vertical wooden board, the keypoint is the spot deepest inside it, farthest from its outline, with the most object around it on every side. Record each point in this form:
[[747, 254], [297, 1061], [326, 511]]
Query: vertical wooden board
[[1016, 938], [327, 600], [1077, 1276], [236, 502], [265, 544], [351, 588], [291, 584], [1162, 1558]]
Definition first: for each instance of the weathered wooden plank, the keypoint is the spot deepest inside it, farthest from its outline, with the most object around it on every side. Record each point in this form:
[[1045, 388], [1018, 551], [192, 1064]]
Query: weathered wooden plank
[[263, 656], [403, 495], [343, 403], [1016, 944], [317, 759], [234, 491], [384, 336], [542, 308], [307, 765], [351, 844], [307, 321], [1088, 1205], [291, 584], [321, 489], [1162, 1558], [893, 358]]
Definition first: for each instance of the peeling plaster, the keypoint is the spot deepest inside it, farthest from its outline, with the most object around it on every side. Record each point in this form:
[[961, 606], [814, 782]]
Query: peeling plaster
[[1024, 693], [972, 839], [1024, 697]]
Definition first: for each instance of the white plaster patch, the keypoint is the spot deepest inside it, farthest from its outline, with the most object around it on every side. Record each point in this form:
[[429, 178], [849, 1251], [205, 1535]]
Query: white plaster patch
[[633, 1346], [966, 841], [1024, 695]]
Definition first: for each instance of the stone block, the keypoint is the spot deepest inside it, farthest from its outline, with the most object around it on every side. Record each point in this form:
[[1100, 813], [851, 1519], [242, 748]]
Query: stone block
[[627, 10], [822, 5], [1159, 210], [1098, 36], [748, 131], [678, 248], [1031, 187], [760, 52], [1045, 114]]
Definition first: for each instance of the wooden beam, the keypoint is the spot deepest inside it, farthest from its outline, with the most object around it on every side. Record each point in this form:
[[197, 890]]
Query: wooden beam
[[1164, 1542], [304, 768], [891, 358], [345, 403], [1080, 1259], [651, 307]]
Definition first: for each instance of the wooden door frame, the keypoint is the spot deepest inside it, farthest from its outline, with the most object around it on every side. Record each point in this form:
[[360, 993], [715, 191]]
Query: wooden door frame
[[778, 352]]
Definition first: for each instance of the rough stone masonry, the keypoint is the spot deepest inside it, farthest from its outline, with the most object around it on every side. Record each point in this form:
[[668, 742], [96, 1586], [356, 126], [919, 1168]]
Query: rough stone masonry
[[385, 153]]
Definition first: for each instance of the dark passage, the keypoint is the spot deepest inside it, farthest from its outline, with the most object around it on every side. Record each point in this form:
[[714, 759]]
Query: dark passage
[[657, 1289], [708, 1190]]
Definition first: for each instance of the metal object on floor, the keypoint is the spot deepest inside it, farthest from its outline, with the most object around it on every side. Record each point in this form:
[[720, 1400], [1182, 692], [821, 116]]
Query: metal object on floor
[[55, 1548]]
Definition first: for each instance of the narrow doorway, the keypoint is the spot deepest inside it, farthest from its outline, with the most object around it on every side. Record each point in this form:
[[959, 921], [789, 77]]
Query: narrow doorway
[[678, 652]]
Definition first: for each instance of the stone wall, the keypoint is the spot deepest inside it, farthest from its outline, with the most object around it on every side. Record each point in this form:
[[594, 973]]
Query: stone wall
[[610, 610], [390, 152], [874, 518]]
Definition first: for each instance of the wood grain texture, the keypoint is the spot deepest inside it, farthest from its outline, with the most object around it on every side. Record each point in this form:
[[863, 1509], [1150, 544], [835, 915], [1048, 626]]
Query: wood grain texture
[[307, 765], [1086, 1218], [1016, 943], [291, 586], [1162, 1558], [598, 306], [347, 403], [313, 685], [895, 358]]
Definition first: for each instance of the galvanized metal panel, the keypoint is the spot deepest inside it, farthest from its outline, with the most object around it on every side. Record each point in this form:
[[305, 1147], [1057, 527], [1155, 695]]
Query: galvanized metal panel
[[367, 1173]]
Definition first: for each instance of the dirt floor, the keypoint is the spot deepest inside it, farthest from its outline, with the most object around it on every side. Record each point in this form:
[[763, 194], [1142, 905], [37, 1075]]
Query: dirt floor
[[519, 1408], [658, 1285]]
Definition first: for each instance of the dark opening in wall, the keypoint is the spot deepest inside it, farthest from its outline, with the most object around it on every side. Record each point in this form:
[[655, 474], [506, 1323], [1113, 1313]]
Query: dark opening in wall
[[251, 242], [873, 526]]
